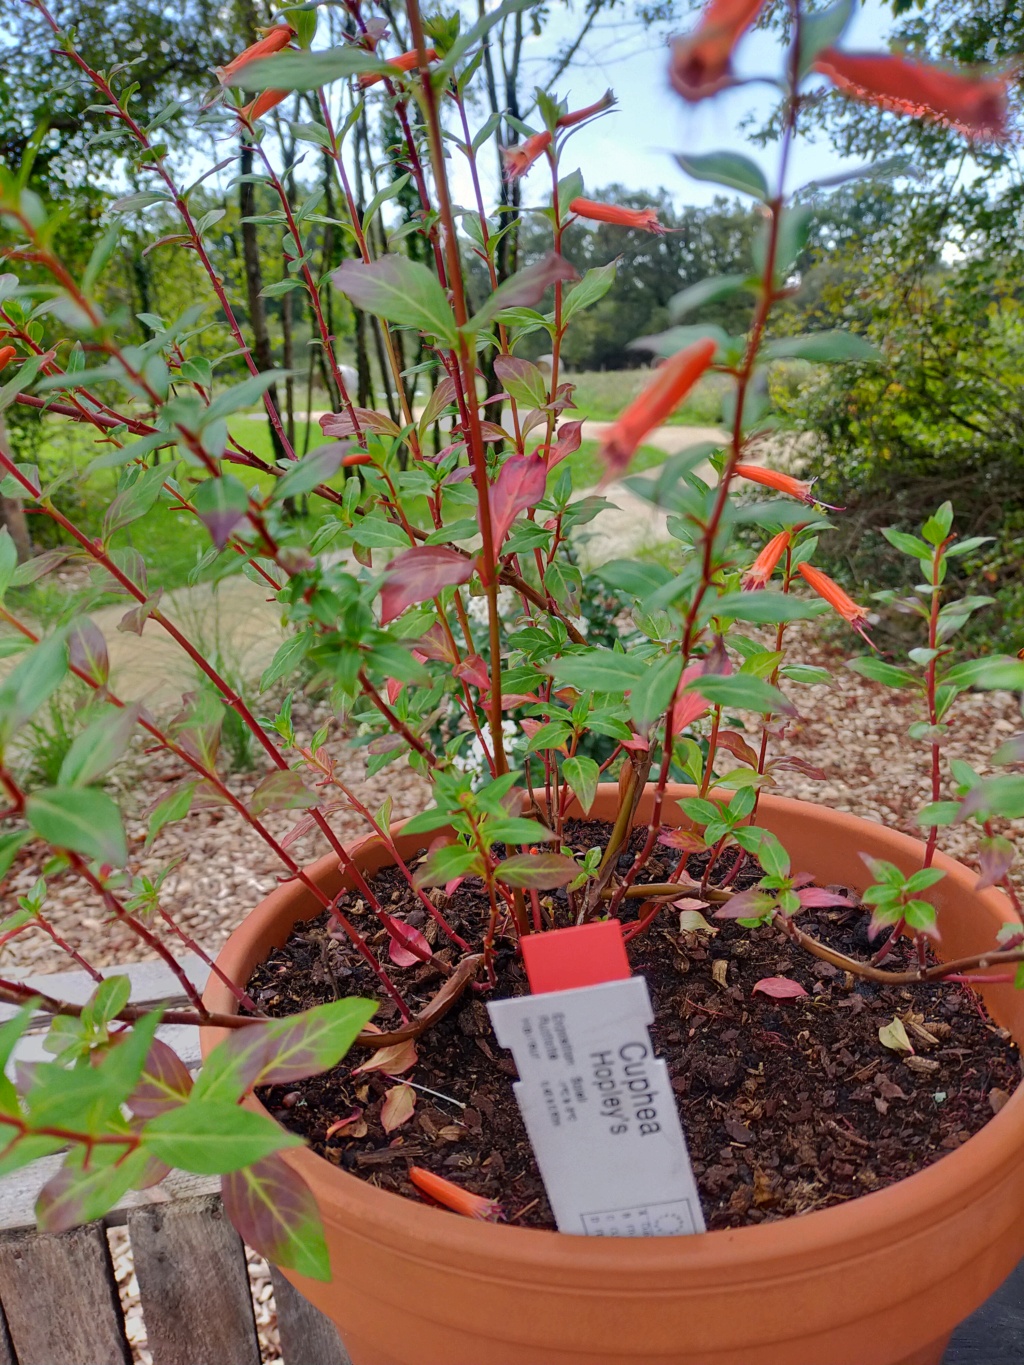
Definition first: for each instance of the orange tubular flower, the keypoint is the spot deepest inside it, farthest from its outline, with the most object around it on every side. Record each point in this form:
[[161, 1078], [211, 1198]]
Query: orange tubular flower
[[646, 219], [833, 594], [670, 385], [772, 478], [7, 354], [454, 1197], [766, 562], [975, 107], [273, 40], [581, 115], [519, 159], [701, 61], [262, 104], [408, 61]]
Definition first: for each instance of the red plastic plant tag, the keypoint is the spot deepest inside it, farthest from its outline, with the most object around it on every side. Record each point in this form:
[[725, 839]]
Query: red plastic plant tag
[[567, 959]]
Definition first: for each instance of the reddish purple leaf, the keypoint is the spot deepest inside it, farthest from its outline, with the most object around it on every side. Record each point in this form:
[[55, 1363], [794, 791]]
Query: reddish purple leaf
[[800, 765], [538, 871], [522, 379], [737, 746], [519, 485], [341, 423], [164, 1084], [995, 857], [418, 574], [746, 905], [473, 670], [683, 839], [87, 650], [272, 1209], [436, 644], [569, 436], [407, 946], [526, 288], [281, 790], [779, 988], [814, 898]]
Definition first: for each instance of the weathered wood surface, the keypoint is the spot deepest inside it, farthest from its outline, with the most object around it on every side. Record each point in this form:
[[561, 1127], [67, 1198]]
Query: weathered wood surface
[[60, 1298], [994, 1335], [307, 1337], [193, 1284], [20, 1189]]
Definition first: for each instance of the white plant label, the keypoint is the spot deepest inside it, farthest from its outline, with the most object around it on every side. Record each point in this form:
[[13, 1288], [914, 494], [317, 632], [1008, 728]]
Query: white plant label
[[600, 1111]]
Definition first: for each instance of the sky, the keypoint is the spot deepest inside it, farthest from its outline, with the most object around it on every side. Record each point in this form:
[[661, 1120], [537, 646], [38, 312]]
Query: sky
[[633, 146]]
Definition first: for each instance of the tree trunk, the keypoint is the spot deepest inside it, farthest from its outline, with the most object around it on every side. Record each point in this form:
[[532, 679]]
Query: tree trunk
[[261, 351]]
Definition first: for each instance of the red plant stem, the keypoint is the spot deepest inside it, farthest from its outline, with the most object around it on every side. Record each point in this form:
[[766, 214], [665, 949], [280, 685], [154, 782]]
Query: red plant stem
[[242, 996], [17, 993], [488, 559], [744, 375], [66, 947], [399, 726]]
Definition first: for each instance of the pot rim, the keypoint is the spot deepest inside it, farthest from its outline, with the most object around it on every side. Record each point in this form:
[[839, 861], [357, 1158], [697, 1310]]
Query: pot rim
[[955, 1179]]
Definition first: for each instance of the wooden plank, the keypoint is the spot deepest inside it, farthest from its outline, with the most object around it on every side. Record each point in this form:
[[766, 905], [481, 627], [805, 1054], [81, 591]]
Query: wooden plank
[[994, 1335], [20, 1189], [7, 1356], [60, 1298], [307, 1337], [193, 1284]]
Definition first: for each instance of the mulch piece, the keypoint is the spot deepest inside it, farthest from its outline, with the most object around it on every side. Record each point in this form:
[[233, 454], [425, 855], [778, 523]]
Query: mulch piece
[[787, 1106]]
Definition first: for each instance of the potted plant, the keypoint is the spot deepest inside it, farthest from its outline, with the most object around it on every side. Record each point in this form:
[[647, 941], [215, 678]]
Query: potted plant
[[812, 972]]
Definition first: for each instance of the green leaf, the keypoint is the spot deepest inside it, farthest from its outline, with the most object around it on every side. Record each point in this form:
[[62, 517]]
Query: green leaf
[[282, 1050], [652, 693], [400, 290], [763, 606], [446, 863], [313, 469], [306, 70], [732, 169], [99, 746], [879, 671], [273, 1210], [283, 789], [242, 395], [822, 347], [208, 1137], [286, 659], [480, 29], [29, 685], [85, 821], [923, 879], [699, 810], [135, 501], [9, 847], [582, 774], [742, 690], [381, 197], [537, 871], [909, 545], [593, 287], [106, 1002], [600, 670], [712, 290], [821, 29], [633, 577], [993, 673], [515, 830], [8, 560]]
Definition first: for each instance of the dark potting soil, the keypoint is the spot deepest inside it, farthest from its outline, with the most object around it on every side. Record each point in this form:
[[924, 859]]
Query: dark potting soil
[[787, 1105]]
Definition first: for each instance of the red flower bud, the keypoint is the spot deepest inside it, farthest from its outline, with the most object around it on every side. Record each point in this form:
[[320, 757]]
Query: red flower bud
[[701, 61], [273, 40], [766, 562], [262, 104], [834, 595], [520, 158], [670, 385], [7, 354], [408, 61], [975, 107], [581, 115], [647, 219]]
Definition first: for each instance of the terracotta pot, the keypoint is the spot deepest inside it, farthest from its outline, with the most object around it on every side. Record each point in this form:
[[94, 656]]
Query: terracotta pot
[[882, 1280]]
